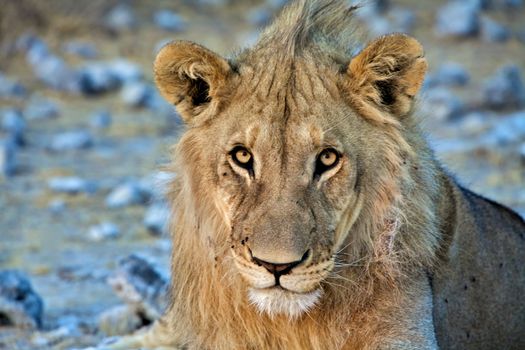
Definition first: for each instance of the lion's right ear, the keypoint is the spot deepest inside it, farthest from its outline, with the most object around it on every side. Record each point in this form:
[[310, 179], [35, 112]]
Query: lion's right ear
[[190, 77]]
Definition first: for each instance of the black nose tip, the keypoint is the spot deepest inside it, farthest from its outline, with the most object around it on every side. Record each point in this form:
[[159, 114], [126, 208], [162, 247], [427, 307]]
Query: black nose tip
[[282, 268]]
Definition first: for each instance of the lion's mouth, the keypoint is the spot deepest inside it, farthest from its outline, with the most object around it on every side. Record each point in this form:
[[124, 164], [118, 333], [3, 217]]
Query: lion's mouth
[[278, 300]]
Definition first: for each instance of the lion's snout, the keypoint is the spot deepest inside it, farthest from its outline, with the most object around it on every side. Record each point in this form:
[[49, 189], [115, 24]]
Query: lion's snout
[[279, 269]]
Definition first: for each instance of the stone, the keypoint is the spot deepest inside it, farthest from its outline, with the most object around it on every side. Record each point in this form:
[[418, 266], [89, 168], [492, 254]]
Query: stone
[[448, 74], [71, 140], [492, 31], [137, 94], [100, 119], [56, 206], [457, 19], [71, 185], [126, 194], [54, 72], [7, 157], [121, 18], [442, 104], [103, 76], [39, 108], [156, 218], [11, 89], [509, 129], [119, 320], [96, 78], [505, 89], [20, 305], [53, 338], [169, 20], [80, 49], [139, 284], [103, 231], [12, 122]]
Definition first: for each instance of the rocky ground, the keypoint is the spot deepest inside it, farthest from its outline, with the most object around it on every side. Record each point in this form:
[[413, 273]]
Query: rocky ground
[[84, 134]]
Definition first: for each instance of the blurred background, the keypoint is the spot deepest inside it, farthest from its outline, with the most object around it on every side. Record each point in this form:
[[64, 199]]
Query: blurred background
[[84, 134]]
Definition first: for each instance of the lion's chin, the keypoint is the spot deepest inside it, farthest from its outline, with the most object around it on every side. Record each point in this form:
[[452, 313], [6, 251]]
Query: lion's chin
[[278, 301]]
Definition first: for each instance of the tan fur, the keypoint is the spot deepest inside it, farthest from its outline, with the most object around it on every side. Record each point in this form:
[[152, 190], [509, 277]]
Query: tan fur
[[384, 231]]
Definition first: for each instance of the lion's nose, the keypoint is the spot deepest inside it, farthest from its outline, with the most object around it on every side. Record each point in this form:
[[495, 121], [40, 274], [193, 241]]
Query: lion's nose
[[281, 268]]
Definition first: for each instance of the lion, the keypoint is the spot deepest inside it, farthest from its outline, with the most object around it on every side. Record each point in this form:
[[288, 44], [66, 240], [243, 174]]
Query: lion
[[309, 211]]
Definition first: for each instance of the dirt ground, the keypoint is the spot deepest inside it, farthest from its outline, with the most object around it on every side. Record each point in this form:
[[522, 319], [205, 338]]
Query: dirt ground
[[68, 270]]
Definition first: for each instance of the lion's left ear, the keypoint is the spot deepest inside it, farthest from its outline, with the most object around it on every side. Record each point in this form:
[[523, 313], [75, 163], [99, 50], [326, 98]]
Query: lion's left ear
[[388, 73]]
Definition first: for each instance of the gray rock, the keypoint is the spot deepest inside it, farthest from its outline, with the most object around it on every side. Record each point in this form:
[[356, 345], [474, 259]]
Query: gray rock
[[103, 76], [119, 320], [71, 140], [129, 193], [20, 305], [97, 78], [103, 231], [13, 123], [53, 338], [442, 104], [121, 18], [493, 31], [137, 94], [505, 89], [139, 284], [7, 157], [510, 129], [448, 74], [457, 19], [169, 20], [71, 185], [39, 108], [80, 49], [125, 71], [156, 218], [11, 89], [101, 119], [56, 206], [52, 70]]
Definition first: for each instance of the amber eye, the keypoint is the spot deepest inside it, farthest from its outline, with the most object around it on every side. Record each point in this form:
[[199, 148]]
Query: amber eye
[[242, 157], [326, 160]]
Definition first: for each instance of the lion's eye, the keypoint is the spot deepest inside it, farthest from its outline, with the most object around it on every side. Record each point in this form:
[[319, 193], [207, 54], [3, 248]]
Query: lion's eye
[[326, 160], [242, 157]]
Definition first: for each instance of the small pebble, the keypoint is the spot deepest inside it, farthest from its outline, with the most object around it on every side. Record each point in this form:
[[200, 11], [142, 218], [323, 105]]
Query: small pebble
[[71, 140], [505, 89], [442, 104], [56, 206], [7, 157], [448, 74], [70, 185], [12, 122], [169, 20], [492, 31], [103, 231], [129, 193], [137, 94], [80, 49], [121, 18], [11, 89], [156, 218], [40, 108], [100, 119], [457, 19]]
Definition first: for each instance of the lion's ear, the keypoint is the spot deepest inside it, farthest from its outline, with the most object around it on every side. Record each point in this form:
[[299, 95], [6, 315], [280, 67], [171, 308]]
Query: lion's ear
[[389, 72], [190, 76]]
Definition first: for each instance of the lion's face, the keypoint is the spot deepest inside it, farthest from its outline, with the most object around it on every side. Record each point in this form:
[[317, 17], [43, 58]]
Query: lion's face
[[287, 157]]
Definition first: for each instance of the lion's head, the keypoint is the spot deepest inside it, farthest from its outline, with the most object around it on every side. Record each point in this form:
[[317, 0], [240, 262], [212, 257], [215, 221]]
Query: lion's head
[[295, 171]]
